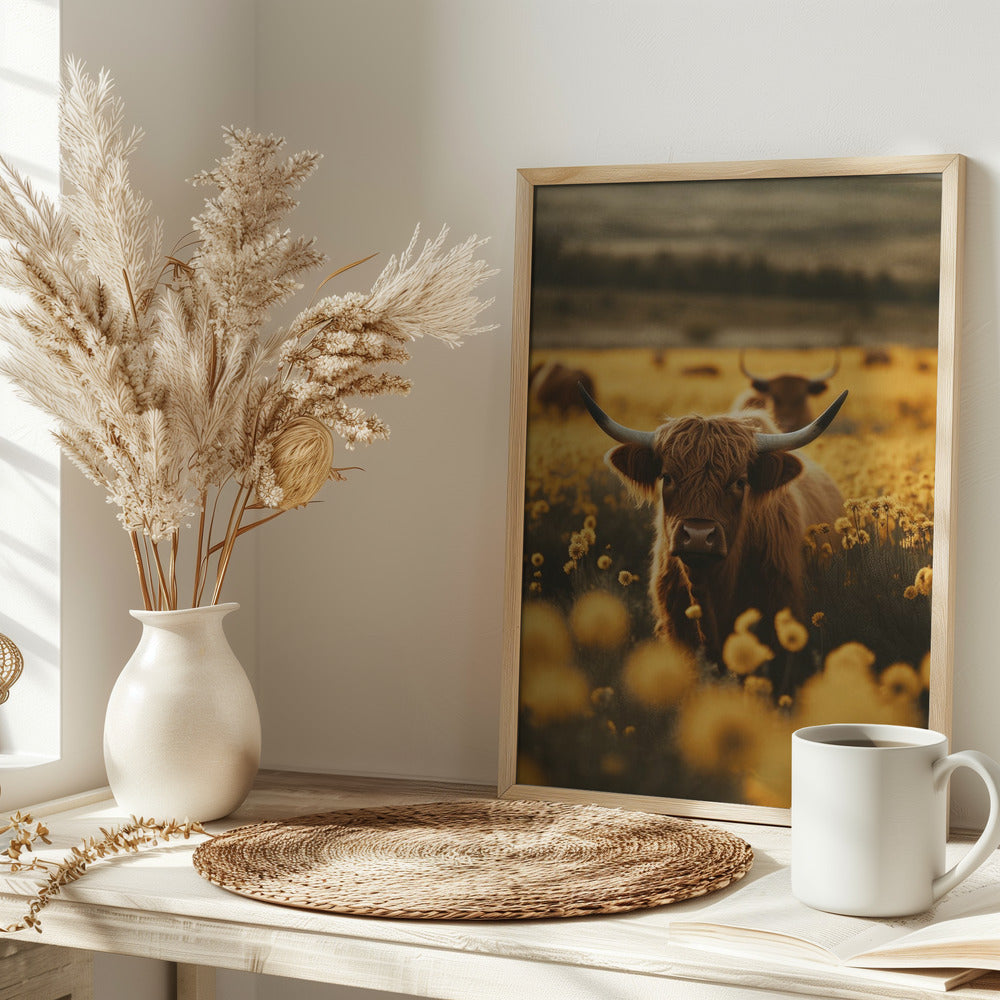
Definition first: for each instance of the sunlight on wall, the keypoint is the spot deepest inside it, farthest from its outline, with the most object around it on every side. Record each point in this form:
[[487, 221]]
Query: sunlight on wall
[[29, 458]]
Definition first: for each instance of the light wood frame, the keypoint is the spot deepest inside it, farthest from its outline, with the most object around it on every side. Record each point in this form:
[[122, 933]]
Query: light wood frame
[[951, 167]]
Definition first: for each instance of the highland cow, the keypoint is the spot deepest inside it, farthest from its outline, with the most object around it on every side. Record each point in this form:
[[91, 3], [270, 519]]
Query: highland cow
[[788, 395], [553, 384], [731, 508]]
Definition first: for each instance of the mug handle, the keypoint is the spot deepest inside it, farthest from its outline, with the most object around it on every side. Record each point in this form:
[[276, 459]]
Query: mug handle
[[989, 839]]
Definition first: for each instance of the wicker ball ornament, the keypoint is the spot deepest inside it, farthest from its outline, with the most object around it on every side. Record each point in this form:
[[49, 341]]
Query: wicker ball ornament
[[11, 664]]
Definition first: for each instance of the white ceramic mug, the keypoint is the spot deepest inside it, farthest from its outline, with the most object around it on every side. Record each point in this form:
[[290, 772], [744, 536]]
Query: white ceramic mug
[[869, 820]]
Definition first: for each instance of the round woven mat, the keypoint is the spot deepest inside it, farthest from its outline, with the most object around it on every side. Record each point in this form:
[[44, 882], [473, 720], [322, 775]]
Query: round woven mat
[[476, 860]]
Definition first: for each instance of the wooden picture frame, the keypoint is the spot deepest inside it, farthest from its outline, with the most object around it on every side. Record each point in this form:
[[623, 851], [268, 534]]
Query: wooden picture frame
[[663, 288]]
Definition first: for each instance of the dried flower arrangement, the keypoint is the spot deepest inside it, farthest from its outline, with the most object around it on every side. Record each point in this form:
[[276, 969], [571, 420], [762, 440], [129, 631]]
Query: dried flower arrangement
[[163, 387], [25, 831]]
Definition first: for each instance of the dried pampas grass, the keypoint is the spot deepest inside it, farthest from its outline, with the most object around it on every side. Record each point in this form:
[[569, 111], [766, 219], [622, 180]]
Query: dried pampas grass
[[162, 385]]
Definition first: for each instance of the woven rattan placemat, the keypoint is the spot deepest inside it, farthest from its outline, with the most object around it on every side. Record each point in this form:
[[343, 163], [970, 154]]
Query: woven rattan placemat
[[475, 860]]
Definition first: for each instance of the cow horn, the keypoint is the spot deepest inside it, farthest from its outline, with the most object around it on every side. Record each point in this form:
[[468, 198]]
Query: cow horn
[[760, 383], [618, 432], [743, 368], [798, 439], [826, 376]]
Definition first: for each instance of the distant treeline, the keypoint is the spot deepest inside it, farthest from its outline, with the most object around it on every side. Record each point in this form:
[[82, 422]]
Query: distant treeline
[[713, 274]]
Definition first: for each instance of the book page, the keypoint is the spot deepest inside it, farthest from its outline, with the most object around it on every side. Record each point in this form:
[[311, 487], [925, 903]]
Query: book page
[[768, 905], [970, 912], [972, 940]]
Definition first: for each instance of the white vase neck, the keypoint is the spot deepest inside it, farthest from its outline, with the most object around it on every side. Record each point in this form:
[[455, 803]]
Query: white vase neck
[[167, 619]]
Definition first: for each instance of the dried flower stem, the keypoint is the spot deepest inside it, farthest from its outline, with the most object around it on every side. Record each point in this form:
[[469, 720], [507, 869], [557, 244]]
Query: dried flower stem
[[162, 588], [174, 542], [126, 839], [141, 569], [232, 532], [201, 539], [246, 527]]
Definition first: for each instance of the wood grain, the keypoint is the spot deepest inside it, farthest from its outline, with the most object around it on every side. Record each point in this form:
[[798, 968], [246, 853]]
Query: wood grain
[[946, 444], [39, 972], [155, 905], [195, 982]]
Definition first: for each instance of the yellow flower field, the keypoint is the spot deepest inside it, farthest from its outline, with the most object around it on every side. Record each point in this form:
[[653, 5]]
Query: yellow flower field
[[607, 705]]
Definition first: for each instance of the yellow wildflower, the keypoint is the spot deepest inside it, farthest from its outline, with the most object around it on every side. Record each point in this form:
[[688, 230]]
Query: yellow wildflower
[[603, 562], [924, 579], [625, 578], [658, 673], [747, 620], [553, 692], [537, 559], [910, 593], [568, 567], [818, 619], [850, 660], [900, 680], [846, 692], [722, 732], [599, 619], [770, 783], [590, 522], [791, 632], [602, 697], [534, 587], [538, 508], [758, 686], [743, 653], [544, 636], [785, 701]]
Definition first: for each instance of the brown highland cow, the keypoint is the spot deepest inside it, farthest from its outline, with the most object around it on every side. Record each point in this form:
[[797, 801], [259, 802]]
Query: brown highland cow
[[731, 507]]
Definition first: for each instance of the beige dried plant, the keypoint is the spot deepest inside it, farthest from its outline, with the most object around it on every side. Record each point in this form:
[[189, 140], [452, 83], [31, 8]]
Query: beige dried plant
[[164, 382], [25, 832]]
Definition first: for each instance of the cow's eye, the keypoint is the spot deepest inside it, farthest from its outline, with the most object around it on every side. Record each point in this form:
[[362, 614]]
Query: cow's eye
[[668, 481], [739, 485]]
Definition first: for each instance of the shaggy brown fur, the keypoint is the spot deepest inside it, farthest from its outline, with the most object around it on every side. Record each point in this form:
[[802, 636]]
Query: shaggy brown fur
[[706, 470]]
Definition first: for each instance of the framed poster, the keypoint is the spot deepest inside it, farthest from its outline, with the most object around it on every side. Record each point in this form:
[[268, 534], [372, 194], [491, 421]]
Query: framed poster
[[730, 475]]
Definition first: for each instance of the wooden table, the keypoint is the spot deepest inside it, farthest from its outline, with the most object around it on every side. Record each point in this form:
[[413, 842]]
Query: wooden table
[[156, 905]]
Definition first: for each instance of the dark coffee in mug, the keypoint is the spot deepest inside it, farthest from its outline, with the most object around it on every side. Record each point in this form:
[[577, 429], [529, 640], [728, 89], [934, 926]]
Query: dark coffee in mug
[[864, 742]]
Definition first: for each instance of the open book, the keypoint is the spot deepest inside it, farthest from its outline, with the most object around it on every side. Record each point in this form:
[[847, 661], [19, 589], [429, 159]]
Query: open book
[[956, 940]]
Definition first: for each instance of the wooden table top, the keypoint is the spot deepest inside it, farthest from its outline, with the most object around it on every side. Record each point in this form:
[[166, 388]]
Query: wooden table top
[[156, 905]]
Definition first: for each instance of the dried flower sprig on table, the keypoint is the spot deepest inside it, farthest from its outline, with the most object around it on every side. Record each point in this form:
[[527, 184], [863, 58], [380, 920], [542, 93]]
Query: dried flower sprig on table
[[127, 839], [164, 388]]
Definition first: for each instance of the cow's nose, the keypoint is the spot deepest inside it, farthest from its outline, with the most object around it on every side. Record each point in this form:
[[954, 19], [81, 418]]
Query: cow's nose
[[697, 536]]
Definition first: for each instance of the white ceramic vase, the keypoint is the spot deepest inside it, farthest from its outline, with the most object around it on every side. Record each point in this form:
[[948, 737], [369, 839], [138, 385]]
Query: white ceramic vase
[[182, 731]]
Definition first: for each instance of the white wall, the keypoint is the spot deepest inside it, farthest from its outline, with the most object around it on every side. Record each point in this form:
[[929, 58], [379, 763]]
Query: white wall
[[381, 612]]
